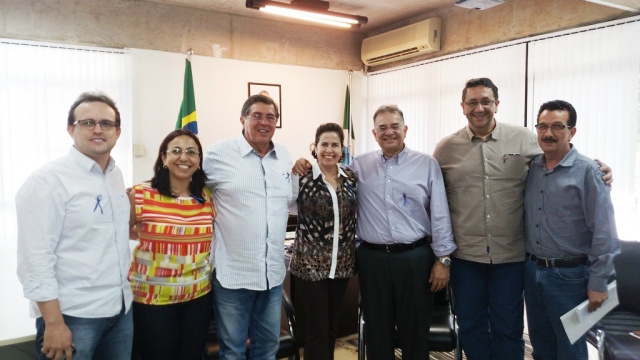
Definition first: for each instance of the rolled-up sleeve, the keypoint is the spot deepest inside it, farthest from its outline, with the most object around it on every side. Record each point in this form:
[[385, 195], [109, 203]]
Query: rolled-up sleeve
[[40, 215]]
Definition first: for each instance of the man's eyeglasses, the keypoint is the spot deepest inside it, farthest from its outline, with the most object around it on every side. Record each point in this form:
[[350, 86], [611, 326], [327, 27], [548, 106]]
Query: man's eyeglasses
[[271, 119], [89, 124], [542, 128], [483, 102], [393, 127], [178, 152]]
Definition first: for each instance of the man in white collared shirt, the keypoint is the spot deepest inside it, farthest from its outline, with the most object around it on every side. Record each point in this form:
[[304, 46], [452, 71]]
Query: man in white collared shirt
[[73, 247], [250, 179]]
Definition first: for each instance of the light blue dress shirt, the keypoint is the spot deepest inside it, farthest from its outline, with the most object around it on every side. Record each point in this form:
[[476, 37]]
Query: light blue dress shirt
[[402, 199]]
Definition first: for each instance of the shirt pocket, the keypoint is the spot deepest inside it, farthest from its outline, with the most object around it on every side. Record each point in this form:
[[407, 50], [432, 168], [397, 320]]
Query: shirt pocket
[[561, 203], [407, 201]]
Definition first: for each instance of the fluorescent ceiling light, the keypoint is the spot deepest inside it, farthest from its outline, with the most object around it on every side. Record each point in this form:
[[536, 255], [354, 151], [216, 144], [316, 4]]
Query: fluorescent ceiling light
[[310, 10], [610, 4]]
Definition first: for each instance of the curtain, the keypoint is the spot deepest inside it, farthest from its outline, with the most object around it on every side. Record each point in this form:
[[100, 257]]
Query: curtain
[[598, 72], [597, 69], [38, 84], [429, 94]]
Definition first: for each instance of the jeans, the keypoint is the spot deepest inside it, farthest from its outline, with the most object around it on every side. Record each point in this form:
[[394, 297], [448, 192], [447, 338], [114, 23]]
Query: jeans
[[242, 313], [107, 338], [550, 293], [489, 307], [174, 331]]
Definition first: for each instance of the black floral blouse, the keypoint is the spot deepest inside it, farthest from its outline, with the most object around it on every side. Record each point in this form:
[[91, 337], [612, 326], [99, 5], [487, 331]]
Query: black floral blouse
[[313, 247]]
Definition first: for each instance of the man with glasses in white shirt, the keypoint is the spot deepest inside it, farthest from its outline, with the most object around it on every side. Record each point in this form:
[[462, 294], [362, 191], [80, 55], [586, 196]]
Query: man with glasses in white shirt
[[250, 180], [73, 242]]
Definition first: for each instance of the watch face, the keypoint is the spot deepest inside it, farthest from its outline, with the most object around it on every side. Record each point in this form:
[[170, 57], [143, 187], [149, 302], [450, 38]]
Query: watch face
[[445, 261]]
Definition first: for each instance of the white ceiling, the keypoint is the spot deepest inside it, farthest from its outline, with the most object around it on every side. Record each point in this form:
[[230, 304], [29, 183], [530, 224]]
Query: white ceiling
[[380, 12]]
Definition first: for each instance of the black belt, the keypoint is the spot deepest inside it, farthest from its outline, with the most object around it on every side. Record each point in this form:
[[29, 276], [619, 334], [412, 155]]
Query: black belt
[[395, 247], [561, 263]]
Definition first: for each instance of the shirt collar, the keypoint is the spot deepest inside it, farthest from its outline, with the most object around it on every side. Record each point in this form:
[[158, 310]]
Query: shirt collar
[[567, 160], [88, 163], [400, 158], [495, 134], [317, 172], [246, 148]]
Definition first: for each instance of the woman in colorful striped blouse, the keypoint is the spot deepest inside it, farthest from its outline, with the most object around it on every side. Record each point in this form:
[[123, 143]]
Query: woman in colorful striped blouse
[[323, 256], [170, 271]]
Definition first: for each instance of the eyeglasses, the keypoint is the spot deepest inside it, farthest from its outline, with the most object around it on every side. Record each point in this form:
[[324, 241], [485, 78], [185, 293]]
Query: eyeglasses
[[393, 127], [90, 124], [178, 152], [542, 128], [271, 119], [483, 102]]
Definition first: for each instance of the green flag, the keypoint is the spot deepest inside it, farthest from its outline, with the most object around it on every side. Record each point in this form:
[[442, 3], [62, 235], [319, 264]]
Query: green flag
[[187, 117]]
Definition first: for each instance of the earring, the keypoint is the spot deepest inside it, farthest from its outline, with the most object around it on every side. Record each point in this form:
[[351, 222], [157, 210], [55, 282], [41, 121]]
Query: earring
[[164, 166]]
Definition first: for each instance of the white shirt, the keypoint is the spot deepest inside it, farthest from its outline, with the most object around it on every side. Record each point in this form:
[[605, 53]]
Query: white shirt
[[72, 246], [251, 194], [293, 208]]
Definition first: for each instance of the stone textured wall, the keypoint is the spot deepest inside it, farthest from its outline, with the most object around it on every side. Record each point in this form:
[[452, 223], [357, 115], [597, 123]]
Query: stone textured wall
[[150, 25], [464, 29]]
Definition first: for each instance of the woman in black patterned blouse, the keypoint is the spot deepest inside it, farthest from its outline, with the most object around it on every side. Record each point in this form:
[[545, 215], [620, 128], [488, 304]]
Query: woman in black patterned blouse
[[324, 253]]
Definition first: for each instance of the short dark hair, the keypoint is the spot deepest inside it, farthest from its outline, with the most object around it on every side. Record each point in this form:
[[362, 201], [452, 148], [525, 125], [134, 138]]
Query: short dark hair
[[328, 127], [560, 105], [160, 180], [256, 99], [388, 109], [92, 97], [486, 82]]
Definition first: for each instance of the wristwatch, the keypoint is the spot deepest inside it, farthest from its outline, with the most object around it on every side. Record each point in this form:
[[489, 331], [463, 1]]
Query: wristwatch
[[445, 260]]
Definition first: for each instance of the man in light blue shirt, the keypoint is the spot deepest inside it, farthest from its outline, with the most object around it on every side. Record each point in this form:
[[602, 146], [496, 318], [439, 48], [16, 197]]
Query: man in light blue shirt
[[571, 236], [250, 180], [403, 220]]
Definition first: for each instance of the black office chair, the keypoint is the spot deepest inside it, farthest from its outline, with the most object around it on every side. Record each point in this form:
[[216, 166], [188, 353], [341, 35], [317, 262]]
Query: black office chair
[[288, 345], [611, 334], [442, 334]]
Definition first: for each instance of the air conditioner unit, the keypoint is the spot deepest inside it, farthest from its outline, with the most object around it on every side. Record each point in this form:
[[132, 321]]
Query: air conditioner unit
[[412, 40]]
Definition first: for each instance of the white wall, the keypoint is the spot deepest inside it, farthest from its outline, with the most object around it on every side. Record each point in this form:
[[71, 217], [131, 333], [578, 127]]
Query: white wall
[[310, 97]]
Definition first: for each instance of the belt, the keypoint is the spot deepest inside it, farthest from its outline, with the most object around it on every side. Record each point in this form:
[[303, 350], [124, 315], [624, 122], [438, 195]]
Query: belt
[[394, 247], [561, 263]]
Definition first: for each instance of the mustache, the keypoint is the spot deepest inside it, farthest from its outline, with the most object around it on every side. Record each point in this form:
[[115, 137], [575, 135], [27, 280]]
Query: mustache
[[546, 138]]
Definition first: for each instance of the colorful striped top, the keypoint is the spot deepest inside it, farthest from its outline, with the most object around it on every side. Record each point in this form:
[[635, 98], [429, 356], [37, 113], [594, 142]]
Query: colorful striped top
[[171, 262]]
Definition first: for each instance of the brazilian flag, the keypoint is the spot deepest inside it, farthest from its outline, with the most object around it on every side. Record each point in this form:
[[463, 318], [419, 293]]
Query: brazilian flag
[[187, 117]]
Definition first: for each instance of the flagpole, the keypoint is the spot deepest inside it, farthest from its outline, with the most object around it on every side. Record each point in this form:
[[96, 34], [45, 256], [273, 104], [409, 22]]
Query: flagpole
[[349, 135]]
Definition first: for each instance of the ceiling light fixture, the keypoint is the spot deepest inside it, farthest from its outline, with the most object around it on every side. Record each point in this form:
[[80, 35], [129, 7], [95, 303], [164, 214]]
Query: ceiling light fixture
[[478, 4], [310, 10]]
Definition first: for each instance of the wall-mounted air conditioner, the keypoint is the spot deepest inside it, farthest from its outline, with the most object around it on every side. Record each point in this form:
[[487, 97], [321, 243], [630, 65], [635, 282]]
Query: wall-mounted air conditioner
[[405, 42]]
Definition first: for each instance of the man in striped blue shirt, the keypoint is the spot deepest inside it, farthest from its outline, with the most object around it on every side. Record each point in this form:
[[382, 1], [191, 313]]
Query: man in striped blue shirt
[[250, 180]]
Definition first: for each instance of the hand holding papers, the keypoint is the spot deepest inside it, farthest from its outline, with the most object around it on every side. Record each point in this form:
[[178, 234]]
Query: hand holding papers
[[579, 320]]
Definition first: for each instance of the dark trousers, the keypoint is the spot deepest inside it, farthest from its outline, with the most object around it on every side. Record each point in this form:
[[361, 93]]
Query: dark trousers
[[489, 306], [395, 293], [321, 302], [172, 332]]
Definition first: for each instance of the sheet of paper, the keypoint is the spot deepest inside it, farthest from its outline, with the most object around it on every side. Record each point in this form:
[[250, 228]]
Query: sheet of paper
[[579, 320]]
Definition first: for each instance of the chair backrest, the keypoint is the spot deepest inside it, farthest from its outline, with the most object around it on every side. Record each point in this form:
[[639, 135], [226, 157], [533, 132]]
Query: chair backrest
[[627, 265]]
